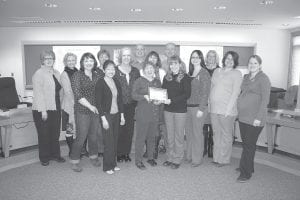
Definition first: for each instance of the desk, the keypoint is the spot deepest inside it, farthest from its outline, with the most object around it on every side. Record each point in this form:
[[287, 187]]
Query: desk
[[273, 121], [6, 123]]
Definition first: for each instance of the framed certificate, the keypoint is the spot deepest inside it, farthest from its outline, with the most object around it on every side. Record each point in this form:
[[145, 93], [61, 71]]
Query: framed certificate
[[158, 94]]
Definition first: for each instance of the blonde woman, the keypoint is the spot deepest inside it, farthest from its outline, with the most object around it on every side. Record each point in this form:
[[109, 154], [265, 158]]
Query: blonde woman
[[178, 87], [68, 120]]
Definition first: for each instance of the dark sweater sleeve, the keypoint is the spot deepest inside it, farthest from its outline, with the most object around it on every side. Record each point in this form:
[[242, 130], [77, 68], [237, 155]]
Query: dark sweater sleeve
[[265, 86], [205, 88], [186, 83], [99, 96], [75, 83], [135, 90]]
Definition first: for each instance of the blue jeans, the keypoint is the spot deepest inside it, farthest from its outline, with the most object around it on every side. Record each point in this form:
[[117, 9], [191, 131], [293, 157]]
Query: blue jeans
[[86, 127]]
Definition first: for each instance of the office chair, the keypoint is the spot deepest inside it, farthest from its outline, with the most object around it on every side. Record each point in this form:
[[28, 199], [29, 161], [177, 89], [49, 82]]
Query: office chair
[[8, 94]]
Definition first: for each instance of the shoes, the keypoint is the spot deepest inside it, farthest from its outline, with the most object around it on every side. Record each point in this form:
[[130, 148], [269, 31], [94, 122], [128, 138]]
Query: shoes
[[215, 163], [222, 164], [76, 167], [196, 164], [152, 162], [117, 169], [100, 154], [141, 166], [110, 172], [120, 158], [127, 158], [59, 159], [175, 166], [241, 179], [96, 162], [167, 163], [45, 163], [145, 155]]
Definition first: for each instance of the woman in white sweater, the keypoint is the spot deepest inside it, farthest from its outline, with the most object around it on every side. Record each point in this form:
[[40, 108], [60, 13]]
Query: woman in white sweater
[[46, 109]]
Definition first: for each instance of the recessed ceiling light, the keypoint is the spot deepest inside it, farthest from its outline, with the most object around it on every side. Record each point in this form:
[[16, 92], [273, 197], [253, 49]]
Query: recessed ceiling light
[[267, 2], [51, 5], [285, 24], [177, 9], [220, 7], [95, 8], [136, 10]]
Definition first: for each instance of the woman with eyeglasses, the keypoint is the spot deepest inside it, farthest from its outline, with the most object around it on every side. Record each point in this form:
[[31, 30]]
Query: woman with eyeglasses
[[196, 108], [46, 109]]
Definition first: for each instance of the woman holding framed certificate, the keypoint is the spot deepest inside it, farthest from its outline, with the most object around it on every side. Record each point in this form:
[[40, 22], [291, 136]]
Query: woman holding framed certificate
[[178, 86], [147, 91]]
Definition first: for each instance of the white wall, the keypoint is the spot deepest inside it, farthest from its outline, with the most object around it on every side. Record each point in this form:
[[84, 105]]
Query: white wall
[[272, 45]]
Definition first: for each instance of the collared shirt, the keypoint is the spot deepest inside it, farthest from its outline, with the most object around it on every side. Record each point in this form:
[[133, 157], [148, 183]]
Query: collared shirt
[[127, 87], [84, 87]]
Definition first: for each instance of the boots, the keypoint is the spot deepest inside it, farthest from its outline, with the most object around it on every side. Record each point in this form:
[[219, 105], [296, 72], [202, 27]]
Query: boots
[[84, 152], [157, 139], [210, 143], [69, 141], [205, 134], [69, 136]]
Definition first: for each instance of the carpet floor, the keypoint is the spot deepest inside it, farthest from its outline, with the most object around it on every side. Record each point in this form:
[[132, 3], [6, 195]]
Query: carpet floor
[[206, 182]]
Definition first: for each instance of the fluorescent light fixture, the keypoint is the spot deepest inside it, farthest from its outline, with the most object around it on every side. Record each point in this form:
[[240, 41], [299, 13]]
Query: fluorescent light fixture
[[267, 2], [51, 5], [297, 17], [285, 24], [177, 9], [220, 7], [95, 8], [136, 10]]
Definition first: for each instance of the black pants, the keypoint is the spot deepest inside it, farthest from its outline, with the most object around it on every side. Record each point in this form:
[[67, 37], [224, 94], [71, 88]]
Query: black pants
[[48, 134], [126, 131], [110, 141], [249, 135]]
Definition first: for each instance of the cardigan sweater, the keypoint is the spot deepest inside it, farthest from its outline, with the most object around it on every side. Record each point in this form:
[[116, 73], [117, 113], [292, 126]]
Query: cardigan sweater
[[145, 111], [127, 87], [68, 97], [103, 97], [178, 92], [225, 89], [44, 89], [200, 87], [253, 101]]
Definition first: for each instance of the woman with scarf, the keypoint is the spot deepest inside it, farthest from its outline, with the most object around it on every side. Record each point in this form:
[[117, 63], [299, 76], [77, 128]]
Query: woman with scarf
[[68, 121]]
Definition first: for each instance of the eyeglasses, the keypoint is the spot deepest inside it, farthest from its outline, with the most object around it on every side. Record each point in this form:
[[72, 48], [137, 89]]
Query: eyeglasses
[[48, 58], [196, 57]]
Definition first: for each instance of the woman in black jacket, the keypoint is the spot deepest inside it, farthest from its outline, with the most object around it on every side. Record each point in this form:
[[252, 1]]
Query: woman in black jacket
[[110, 107]]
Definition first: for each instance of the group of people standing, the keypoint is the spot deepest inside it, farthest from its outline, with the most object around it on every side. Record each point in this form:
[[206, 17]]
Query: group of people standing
[[104, 103]]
